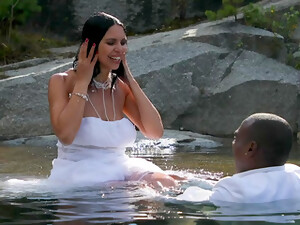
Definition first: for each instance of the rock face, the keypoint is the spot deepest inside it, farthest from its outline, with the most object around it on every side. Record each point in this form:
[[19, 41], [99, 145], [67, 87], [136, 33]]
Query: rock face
[[212, 94], [24, 103], [196, 81], [233, 36], [255, 85], [143, 15]]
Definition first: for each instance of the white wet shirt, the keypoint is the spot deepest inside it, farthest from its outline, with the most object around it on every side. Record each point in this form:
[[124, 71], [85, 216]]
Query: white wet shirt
[[253, 186]]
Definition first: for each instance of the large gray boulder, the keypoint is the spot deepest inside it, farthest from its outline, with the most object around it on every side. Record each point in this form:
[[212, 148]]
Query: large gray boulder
[[143, 15], [24, 108], [211, 95], [233, 36], [203, 87], [252, 83], [280, 5]]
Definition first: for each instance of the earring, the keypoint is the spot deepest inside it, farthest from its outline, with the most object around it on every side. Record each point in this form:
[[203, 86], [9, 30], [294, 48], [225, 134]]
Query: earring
[[246, 153]]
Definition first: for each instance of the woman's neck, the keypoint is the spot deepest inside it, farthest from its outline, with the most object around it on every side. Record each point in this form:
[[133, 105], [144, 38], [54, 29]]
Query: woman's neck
[[102, 76]]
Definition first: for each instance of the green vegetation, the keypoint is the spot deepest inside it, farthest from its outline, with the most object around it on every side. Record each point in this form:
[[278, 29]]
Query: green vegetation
[[25, 46], [257, 16], [265, 18], [13, 12], [15, 44], [229, 8], [285, 25]]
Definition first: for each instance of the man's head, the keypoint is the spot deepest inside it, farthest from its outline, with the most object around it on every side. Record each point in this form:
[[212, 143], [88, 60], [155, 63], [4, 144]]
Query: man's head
[[262, 140]]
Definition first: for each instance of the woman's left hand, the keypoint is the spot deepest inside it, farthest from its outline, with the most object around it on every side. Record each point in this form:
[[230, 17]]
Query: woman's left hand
[[139, 108], [123, 56], [124, 61]]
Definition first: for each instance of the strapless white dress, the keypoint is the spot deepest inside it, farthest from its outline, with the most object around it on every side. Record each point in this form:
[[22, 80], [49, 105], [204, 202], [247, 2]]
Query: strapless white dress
[[97, 155]]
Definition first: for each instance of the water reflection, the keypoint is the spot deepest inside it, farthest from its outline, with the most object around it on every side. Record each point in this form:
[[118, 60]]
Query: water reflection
[[284, 211]]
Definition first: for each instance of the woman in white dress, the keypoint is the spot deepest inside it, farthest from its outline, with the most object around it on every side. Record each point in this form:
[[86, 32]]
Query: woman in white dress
[[87, 107]]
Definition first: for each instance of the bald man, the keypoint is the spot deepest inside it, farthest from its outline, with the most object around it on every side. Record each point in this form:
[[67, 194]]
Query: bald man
[[261, 147]]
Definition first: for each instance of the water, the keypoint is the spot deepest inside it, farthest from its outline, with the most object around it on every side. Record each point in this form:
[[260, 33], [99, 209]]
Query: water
[[27, 199]]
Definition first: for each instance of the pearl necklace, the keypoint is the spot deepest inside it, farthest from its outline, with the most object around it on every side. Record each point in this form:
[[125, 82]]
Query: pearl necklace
[[105, 85]]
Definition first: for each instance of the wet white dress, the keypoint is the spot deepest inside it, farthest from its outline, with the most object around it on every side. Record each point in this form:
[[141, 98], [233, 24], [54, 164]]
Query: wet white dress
[[97, 154]]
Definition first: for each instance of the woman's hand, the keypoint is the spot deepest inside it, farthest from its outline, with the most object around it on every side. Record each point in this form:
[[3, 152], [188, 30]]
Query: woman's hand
[[123, 57], [139, 108], [66, 113], [86, 63], [124, 61]]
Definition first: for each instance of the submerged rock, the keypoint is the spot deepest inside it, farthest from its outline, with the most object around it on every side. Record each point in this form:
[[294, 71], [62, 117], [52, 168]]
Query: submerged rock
[[170, 139]]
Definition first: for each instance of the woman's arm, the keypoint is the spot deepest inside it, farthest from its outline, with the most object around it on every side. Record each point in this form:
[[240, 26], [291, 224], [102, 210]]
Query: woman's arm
[[139, 108], [66, 113]]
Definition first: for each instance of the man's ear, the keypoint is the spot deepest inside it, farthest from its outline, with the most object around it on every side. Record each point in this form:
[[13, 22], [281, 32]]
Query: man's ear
[[252, 150]]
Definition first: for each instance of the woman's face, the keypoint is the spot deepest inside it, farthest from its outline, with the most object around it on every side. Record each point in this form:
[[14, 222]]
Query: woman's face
[[112, 47]]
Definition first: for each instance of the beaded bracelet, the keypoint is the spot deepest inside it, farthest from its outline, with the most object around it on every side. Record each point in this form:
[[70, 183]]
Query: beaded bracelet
[[84, 96]]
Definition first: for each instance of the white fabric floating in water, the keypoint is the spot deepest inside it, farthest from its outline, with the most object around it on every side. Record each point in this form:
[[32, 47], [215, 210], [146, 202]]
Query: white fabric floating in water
[[195, 194]]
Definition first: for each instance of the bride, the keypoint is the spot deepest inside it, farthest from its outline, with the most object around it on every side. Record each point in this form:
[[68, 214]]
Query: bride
[[87, 106]]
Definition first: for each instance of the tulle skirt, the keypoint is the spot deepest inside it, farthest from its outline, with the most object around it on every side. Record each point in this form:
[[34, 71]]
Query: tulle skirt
[[82, 166]]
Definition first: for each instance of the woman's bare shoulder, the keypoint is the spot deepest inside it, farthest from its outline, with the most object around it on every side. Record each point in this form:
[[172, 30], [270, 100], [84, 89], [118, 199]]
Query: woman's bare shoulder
[[65, 78], [63, 75]]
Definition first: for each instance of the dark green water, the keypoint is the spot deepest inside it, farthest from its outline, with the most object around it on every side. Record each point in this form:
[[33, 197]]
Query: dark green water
[[26, 200]]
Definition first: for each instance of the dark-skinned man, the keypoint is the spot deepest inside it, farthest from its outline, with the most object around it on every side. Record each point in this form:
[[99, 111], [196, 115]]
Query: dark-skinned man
[[261, 147]]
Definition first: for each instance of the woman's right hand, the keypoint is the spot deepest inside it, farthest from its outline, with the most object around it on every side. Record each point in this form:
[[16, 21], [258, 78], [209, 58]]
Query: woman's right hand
[[66, 113], [86, 64]]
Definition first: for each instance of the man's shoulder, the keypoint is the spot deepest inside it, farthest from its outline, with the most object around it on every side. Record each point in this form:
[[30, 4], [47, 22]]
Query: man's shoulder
[[252, 177], [289, 167], [261, 185]]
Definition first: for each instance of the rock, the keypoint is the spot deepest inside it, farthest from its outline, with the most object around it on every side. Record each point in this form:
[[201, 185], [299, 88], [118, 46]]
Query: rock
[[171, 76], [143, 15], [170, 139], [195, 86], [298, 120], [23, 64], [245, 83], [24, 102], [233, 35], [39, 68], [280, 5], [173, 139], [38, 141], [215, 84], [296, 55], [69, 49], [296, 35]]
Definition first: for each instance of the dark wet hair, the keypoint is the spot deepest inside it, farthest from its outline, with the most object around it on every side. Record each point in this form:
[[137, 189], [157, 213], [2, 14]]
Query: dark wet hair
[[273, 135], [94, 29]]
